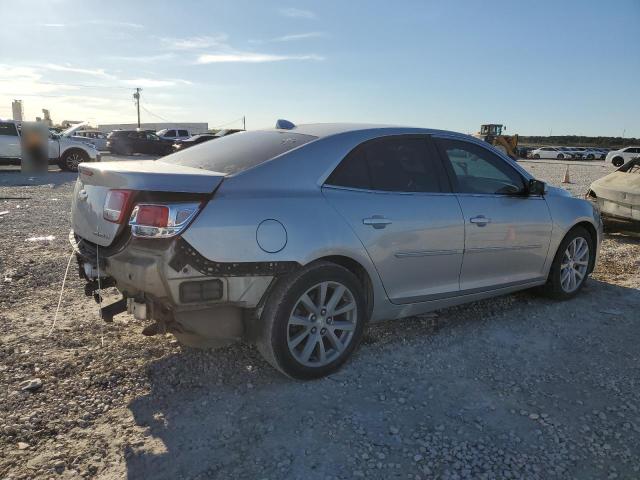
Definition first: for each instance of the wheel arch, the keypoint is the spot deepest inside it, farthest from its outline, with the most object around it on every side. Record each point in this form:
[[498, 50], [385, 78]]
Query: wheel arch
[[359, 271], [593, 233], [71, 149]]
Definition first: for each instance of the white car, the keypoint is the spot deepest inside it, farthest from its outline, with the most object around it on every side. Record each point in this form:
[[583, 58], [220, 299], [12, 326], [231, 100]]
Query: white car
[[589, 153], [619, 157], [551, 152], [94, 137], [65, 151], [173, 134]]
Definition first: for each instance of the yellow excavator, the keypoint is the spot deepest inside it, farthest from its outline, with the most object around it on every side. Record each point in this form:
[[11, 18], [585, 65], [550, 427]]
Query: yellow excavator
[[492, 133]]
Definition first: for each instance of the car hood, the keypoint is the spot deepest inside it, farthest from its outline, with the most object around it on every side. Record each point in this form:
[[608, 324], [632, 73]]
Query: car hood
[[552, 191], [73, 128], [619, 186]]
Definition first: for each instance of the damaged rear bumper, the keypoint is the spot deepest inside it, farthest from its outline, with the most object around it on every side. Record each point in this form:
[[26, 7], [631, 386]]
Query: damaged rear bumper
[[204, 303]]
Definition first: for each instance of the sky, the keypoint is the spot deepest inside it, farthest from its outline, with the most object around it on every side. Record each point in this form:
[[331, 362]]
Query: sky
[[539, 67]]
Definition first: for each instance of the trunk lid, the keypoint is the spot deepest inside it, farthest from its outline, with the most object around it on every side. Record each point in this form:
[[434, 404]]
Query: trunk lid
[[96, 179]]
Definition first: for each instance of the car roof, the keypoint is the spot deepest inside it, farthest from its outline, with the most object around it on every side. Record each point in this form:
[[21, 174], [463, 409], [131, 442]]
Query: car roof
[[321, 130]]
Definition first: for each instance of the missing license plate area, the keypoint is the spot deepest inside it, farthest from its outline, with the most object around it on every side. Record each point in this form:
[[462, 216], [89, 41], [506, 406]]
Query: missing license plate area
[[202, 291]]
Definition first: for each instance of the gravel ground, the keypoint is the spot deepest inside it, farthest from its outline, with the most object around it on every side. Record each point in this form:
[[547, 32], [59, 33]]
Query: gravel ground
[[514, 387]]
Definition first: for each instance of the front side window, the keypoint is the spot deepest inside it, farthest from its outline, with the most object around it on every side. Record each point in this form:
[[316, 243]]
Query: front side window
[[183, 133], [8, 130], [392, 164], [477, 170]]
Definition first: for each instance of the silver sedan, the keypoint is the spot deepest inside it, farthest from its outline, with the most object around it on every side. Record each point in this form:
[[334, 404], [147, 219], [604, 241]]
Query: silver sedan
[[295, 238]]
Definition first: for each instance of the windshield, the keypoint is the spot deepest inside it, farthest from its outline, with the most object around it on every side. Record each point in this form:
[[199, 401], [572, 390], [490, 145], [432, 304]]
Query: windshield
[[235, 153]]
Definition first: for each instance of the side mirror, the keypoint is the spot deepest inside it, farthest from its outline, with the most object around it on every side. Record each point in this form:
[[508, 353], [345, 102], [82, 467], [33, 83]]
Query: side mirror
[[536, 187]]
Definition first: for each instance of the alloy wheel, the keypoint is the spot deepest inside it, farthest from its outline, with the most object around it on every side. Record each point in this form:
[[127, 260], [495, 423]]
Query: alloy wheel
[[73, 160], [322, 324], [575, 262]]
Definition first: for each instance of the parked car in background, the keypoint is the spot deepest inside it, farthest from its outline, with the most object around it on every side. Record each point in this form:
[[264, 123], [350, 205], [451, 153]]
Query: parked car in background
[[295, 238], [94, 137], [128, 142], [550, 152], [588, 153], [64, 150], [202, 137], [571, 152], [619, 157], [173, 134], [618, 194]]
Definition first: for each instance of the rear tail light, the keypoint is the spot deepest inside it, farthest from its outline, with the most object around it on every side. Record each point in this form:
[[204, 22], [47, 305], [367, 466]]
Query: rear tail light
[[162, 220], [116, 205]]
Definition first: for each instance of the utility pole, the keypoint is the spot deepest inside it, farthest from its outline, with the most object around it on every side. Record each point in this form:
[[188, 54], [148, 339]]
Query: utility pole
[[244, 123], [136, 97]]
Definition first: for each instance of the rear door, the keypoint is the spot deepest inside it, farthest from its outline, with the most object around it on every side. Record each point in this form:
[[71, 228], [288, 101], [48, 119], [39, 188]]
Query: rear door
[[507, 232], [394, 193]]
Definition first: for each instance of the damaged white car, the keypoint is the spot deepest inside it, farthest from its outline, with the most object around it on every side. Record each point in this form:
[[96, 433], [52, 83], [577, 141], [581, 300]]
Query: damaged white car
[[618, 194]]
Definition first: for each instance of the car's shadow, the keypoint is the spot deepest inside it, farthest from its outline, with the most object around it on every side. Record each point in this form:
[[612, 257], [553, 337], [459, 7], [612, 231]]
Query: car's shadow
[[226, 413]]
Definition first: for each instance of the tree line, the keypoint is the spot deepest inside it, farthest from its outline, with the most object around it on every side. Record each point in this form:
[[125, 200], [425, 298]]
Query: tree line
[[578, 141]]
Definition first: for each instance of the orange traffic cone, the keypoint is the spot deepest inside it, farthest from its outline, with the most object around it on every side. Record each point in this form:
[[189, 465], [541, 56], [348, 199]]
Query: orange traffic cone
[[566, 176]]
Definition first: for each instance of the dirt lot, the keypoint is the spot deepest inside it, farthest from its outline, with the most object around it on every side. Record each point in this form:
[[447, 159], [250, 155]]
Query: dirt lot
[[515, 387]]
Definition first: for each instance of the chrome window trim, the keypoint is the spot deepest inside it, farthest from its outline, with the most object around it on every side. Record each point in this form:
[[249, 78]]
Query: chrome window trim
[[386, 192]]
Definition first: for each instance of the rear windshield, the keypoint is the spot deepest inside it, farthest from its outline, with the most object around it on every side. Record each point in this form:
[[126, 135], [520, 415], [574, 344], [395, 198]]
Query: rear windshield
[[235, 153]]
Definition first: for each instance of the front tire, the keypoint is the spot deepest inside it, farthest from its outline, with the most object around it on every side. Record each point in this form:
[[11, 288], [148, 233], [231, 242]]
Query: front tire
[[617, 162], [71, 159], [313, 320], [560, 156], [571, 265], [536, 156]]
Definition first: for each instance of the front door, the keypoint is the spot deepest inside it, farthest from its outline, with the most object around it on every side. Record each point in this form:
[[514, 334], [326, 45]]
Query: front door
[[507, 231], [394, 194], [9, 140]]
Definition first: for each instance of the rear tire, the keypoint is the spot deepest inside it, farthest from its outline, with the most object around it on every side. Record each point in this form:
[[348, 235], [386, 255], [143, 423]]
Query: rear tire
[[618, 161], [313, 320], [569, 264]]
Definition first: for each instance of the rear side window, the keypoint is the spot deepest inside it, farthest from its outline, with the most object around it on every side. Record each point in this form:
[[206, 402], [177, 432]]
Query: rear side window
[[392, 164], [183, 133], [8, 130], [236, 153]]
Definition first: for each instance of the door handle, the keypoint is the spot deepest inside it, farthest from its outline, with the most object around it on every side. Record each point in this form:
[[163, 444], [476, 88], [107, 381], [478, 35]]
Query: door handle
[[480, 220], [377, 221]]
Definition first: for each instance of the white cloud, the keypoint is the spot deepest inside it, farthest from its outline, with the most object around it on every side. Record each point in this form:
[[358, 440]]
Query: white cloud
[[195, 43], [109, 23], [97, 72], [250, 57], [299, 36], [297, 13], [53, 25], [144, 58], [155, 83]]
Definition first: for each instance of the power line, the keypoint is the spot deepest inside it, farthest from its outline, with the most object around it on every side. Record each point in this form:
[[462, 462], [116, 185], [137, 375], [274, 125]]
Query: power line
[[154, 114]]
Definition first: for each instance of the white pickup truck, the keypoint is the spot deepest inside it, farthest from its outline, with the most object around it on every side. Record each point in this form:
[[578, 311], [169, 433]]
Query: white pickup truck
[[66, 152]]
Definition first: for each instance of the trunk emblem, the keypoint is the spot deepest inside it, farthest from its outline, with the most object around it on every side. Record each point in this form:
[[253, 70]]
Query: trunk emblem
[[83, 195]]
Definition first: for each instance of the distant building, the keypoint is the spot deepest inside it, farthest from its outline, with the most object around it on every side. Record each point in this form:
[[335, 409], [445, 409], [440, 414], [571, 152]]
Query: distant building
[[47, 117], [18, 110], [195, 127]]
